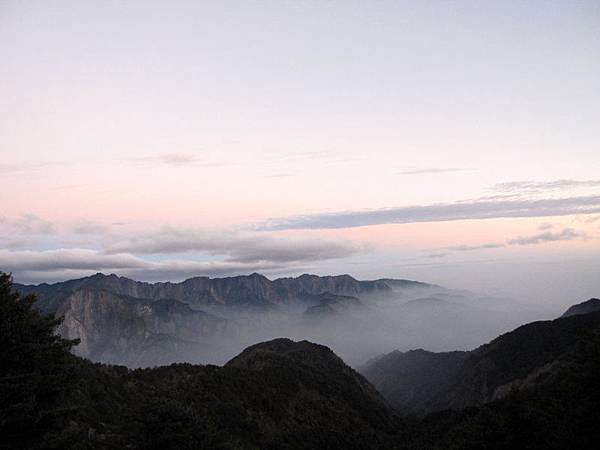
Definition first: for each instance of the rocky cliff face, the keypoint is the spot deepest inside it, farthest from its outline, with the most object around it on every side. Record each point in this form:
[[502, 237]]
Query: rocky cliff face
[[252, 291], [120, 329]]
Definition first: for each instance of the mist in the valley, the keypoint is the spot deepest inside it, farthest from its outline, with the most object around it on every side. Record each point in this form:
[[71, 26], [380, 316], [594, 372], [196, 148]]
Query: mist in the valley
[[429, 317], [436, 320]]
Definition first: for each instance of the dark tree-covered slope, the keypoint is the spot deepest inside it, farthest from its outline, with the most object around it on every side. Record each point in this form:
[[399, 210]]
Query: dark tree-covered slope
[[591, 305], [421, 382]]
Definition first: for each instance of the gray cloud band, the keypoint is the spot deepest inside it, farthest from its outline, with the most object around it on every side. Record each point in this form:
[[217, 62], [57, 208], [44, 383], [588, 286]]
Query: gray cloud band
[[567, 234], [237, 247], [50, 265], [439, 212]]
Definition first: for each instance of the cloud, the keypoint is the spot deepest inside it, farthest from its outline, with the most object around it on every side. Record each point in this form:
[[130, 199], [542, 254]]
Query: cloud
[[35, 266], [86, 227], [13, 244], [468, 248], [530, 187], [437, 255], [476, 209], [30, 224], [432, 170], [208, 252], [179, 159], [49, 260], [236, 246], [545, 226], [294, 250], [566, 234], [592, 219]]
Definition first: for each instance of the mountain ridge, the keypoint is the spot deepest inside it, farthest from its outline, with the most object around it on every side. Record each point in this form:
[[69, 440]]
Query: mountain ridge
[[216, 289], [421, 382], [325, 309]]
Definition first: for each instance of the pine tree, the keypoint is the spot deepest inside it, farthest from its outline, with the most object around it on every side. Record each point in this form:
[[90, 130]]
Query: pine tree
[[36, 369]]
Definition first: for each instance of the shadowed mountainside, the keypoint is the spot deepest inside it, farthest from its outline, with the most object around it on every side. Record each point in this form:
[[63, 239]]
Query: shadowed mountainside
[[419, 382], [591, 305]]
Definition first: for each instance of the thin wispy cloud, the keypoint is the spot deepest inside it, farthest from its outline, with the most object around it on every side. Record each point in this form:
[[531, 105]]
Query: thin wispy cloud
[[179, 159], [86, 227], [468, 210], [29, 223], [531, 187], [468, 248], [14, 244], [436, 255], [567, 234]]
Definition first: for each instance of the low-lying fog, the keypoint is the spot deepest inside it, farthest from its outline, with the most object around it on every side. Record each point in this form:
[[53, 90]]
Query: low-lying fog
[[431, 318], [437, 322]]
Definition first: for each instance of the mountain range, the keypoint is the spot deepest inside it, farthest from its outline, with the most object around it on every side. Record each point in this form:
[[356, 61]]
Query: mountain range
[[252, 291], [535, 387], [210, 320], [201, 319]]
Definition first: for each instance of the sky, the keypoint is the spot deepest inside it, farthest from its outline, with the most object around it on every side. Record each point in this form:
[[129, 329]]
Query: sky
[[449, 142]]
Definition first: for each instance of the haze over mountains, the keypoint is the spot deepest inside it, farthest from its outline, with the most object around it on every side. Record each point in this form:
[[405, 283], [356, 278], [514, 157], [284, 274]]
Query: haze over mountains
[[533, 387], [209, 320], [420, 382]]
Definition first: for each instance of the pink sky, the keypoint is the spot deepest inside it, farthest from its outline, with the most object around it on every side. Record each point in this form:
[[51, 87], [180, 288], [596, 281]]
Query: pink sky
[[126, 124]]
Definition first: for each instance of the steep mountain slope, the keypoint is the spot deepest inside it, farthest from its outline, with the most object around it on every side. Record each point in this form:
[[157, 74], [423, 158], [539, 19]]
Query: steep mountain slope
[[420, 382], [136, 332], [413, 381], [555, 408], [591, 305]]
